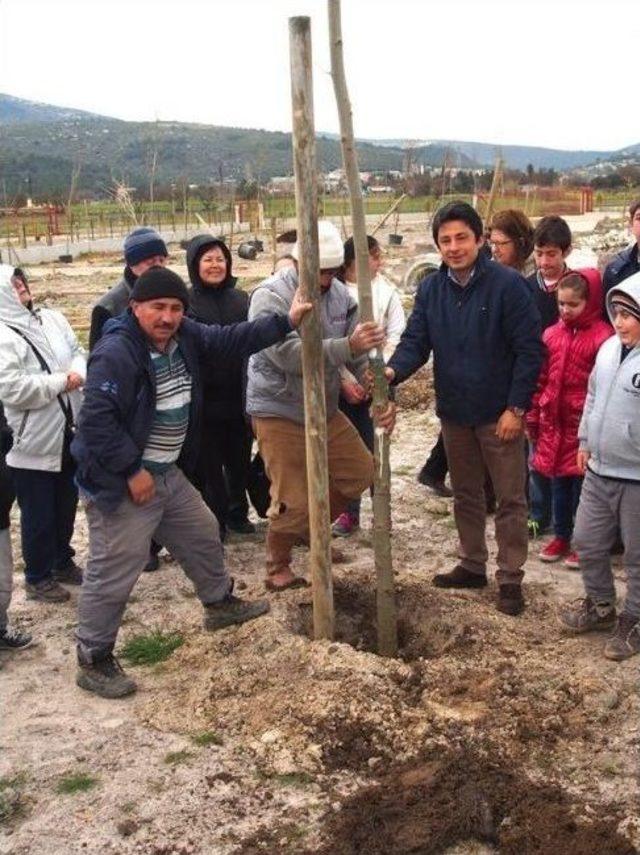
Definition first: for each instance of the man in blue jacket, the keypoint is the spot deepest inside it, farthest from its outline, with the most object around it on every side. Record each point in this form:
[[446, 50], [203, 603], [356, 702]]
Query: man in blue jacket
[[626, 263], [479, 321], [141, 417]]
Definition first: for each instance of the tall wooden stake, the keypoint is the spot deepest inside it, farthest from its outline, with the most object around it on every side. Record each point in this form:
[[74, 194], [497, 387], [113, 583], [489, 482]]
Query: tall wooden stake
[[315, 411], [386, 604]]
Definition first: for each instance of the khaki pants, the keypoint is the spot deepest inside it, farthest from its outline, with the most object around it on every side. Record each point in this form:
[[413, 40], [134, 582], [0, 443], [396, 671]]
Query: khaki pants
[[282, 445], [469, 450]]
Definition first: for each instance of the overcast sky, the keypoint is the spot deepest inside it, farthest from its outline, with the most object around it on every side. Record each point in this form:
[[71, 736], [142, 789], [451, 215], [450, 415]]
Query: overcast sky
[[558, 73]]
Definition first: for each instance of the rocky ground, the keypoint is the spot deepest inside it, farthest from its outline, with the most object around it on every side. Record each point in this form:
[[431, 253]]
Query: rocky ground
[[487, 734]]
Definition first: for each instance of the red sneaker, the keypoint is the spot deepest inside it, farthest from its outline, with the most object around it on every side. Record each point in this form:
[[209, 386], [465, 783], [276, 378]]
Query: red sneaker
[[555, 550], [572, 561]]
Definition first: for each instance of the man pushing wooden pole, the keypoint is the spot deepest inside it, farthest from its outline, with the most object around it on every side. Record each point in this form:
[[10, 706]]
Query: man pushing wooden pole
[[386, 606], [304, 161]]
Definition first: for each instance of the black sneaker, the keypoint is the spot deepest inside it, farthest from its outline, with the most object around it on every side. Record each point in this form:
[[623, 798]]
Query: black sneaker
[[460, 577], [232, 610], [14, 639], [105, 677], [70, 574], [243, 526], [47, 591], [153, 563], [436, 485]]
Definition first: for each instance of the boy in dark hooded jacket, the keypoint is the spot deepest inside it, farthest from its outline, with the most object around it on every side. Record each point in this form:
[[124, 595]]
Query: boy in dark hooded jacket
[[225, 446]]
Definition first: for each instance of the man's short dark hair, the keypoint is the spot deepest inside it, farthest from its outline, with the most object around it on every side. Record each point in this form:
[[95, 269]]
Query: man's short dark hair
[[552, 231], [457, 211], [633, 207]]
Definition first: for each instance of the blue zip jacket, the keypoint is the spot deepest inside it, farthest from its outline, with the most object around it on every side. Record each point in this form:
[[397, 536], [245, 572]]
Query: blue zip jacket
[[485, 339], [624, 265], [120, 396]]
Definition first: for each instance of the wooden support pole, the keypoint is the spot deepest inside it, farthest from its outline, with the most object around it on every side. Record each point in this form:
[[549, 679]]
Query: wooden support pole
[[386, 216], [386, 603], [315, 411]]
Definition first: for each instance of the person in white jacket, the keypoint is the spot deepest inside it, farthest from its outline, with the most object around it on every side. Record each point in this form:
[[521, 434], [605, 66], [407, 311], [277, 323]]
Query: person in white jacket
[[42, 367], [354, 400]]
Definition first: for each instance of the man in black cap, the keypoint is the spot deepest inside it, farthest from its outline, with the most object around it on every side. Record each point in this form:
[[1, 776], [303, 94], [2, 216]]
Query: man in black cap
[[143, 248], [140, 418]]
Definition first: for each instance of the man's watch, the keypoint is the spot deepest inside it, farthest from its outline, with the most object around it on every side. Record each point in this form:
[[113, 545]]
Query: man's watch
[[518, 412]]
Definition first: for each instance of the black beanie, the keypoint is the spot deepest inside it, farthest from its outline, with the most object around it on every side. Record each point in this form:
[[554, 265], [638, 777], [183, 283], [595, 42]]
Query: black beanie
[[158, 283]]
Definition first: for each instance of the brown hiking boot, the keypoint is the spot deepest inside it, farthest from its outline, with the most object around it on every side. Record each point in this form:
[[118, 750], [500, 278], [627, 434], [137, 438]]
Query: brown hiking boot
[[47, 591], [460, 577], [70, 574], [585, 615], [510, 599], [625, 641], [104, 676]]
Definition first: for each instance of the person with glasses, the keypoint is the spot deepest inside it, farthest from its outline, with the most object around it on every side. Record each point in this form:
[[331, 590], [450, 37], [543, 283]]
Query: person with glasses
[[275, 402], [511, 240]]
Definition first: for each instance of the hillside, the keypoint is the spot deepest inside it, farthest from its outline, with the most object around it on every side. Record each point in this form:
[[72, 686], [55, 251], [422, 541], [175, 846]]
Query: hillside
[[39, 144]]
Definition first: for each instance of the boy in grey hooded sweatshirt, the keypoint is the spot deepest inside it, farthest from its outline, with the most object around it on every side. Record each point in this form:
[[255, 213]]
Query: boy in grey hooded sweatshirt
[[609, 437]]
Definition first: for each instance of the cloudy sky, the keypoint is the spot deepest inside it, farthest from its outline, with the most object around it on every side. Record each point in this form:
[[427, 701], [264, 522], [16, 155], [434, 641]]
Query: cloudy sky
[[557, 73]]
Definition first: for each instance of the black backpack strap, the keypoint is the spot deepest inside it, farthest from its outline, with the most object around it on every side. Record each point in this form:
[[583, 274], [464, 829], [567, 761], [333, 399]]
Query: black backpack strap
[[65, 406]]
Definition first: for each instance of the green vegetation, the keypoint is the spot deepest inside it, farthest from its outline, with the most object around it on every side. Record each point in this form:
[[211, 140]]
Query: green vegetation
[[12, 802], [173, 758], [208, 737], [156, 646], [77, 782]]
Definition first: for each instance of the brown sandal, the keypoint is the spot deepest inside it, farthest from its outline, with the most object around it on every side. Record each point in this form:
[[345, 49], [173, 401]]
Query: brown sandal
[[293, 582]]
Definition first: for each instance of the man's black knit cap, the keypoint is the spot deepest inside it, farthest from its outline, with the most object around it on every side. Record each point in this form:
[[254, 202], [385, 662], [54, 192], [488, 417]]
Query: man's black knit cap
[[158, 283]]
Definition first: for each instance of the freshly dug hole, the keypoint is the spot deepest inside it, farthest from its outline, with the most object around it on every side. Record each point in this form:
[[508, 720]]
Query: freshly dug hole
[[424, 808]]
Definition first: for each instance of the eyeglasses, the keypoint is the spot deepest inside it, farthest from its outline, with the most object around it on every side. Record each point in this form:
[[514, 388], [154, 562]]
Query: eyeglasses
[[498, 243]]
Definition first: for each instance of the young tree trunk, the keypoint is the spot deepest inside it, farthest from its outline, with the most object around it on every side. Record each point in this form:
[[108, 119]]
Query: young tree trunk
[[386, 605], [315, 412]]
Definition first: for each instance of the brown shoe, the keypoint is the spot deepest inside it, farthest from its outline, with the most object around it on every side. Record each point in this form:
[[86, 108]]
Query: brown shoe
[[460, 577], [47, 591], [625, 641], [510, 599]]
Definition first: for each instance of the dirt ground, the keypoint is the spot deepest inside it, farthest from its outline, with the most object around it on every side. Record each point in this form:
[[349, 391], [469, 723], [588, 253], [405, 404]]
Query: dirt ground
[[488, 733]]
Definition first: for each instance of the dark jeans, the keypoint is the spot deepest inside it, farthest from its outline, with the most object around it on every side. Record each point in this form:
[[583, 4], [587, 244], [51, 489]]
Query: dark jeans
[[358, 415], [7, 494], [437, 466], [539, 494], [565, 494], [222, 470], [48, 502]]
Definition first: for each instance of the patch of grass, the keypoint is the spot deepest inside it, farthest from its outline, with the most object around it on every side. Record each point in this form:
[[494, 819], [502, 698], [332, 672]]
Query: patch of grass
[[288, 779], [173, 758], [403, 470], [78, 782], [12, 803], [207, 737], [151, 648]]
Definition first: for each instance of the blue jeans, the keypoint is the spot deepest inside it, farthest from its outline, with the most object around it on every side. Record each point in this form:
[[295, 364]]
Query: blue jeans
[[358, 415], [539, 494], [566, 495], [48, 502]]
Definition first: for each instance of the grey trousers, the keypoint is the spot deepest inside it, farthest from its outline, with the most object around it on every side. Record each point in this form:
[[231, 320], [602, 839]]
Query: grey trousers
[[176, 517], [605, 505], [6, 575]]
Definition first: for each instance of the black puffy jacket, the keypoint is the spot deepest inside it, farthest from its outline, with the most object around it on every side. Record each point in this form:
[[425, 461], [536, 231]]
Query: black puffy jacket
[[222, 386]]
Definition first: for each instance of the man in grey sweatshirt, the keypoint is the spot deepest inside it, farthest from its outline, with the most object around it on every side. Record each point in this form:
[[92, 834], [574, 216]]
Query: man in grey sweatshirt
[[275, 402], [609, 455]]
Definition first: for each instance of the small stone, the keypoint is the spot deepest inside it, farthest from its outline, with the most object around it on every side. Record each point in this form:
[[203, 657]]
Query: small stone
[[270, 736], [65, 651]]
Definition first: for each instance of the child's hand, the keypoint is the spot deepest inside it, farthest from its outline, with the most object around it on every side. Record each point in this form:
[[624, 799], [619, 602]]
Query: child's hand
[[299, 308], [352, 392], [582, 460]]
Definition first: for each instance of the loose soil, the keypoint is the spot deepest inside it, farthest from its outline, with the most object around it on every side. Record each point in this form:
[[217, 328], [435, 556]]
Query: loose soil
[[487, 734]]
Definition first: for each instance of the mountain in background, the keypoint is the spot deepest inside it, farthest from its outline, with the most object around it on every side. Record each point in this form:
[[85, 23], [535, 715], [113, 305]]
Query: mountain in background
[[41, 143]]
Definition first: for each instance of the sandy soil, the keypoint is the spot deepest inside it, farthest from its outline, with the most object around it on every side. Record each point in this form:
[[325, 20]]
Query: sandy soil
[[488, 734]]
